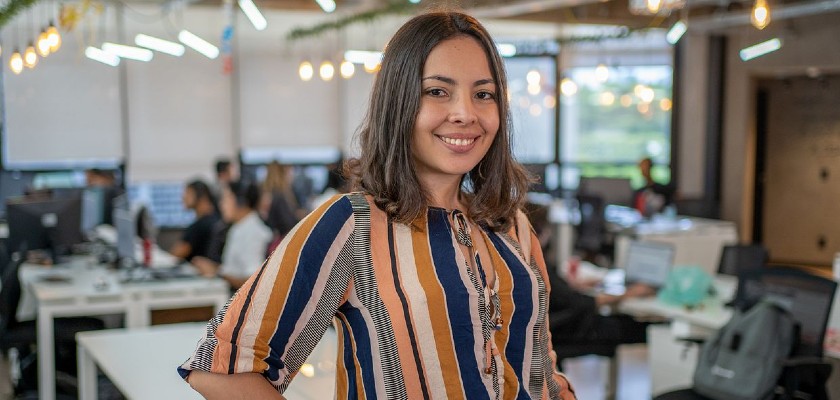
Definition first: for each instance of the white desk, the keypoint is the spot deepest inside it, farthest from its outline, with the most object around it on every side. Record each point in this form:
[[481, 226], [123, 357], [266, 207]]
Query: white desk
[[697, 241], [142, 363], [91, 289]]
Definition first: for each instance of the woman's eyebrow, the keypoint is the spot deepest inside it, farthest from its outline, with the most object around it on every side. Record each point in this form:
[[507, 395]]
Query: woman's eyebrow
[[451, 81]]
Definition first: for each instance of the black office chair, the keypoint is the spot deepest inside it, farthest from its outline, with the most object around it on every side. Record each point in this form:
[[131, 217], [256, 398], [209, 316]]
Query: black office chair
[[808, 298], [592, 230], [22, 335]]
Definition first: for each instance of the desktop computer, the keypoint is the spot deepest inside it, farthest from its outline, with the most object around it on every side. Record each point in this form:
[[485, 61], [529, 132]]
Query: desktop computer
[[52, 224]]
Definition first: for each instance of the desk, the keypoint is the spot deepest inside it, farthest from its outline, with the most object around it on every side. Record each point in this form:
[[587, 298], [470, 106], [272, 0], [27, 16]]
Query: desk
[[141, 363], [697, 241], [91, 289]]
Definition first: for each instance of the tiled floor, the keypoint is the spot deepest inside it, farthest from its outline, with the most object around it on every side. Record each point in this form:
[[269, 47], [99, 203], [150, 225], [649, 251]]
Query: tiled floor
[[589, 375]]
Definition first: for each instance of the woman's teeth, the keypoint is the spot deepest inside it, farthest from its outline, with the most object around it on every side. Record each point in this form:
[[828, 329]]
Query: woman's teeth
[[457, 142]]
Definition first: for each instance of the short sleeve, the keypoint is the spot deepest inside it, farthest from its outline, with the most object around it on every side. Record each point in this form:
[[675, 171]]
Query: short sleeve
[[273, 322]]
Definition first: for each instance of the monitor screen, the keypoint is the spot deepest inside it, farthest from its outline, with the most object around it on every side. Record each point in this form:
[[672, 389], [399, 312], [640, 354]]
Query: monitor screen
[[93, 208], [126, 233], [648, 263], [611, 190], [44, 223]]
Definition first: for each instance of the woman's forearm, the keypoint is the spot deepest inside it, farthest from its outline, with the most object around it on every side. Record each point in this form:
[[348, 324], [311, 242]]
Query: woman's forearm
[[231, 387]]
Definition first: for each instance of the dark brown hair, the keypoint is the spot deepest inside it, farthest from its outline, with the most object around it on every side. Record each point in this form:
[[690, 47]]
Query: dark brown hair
[[385, 170]]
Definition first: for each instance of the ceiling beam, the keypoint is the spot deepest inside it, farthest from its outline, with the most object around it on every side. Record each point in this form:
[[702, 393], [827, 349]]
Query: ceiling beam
[[778, 13]]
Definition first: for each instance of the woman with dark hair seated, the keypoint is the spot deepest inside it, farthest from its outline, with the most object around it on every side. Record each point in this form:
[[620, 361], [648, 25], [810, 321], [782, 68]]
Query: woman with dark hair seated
[[246, 240], [197, 237]]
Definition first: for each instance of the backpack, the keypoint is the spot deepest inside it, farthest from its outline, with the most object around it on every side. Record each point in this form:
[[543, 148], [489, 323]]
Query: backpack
[[743, 360]]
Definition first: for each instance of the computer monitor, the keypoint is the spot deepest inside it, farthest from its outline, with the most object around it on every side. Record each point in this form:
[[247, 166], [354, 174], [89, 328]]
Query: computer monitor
[[611, 190], [648, 263], [49, 224], [93, 208]]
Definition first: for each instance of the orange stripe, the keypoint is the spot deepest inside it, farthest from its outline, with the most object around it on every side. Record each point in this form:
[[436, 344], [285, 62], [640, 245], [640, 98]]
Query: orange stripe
[[380, 252], [505, 279], [341, 383], [440, 322]]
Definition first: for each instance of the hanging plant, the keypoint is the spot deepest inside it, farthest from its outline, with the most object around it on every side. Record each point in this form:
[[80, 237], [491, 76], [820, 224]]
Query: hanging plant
[[393, 7], [12, 8]]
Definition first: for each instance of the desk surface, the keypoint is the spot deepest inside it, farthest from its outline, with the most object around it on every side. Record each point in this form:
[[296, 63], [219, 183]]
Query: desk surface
[[142, 362]]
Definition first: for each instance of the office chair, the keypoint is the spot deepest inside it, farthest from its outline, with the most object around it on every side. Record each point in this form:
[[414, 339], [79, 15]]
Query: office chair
[[808, 298], [592, 230], [738, 259], [22, 335]]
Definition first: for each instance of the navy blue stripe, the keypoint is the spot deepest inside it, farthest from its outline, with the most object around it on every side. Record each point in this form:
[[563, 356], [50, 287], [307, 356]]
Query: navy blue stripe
[[311, 257], [521, 293], [398, 288], [457, 302], [349, 362], [236, 329], [363, 347]]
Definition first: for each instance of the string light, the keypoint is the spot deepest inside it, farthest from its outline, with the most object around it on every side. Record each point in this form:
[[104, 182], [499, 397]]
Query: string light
[[43, 44], [653, 5], [347, 69], [327, 71], [760, 16], [306, 71], [16, 62], [602, 73], [568, 87], [54, 38], [30, 58]]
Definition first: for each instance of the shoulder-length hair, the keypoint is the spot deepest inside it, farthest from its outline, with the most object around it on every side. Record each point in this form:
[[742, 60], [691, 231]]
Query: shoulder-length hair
[[385, 169]]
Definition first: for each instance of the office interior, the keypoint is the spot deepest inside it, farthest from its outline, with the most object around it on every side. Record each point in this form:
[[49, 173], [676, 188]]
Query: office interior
[[738, 114]]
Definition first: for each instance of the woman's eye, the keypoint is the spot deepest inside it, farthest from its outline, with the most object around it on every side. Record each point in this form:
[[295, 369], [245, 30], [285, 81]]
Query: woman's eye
[[486, 95], [435, 92]]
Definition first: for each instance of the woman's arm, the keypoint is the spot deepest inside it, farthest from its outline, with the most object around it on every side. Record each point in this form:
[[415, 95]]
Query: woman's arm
[[230, 387]]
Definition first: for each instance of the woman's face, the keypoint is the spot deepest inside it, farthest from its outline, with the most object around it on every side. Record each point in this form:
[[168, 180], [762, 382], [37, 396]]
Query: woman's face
[[459, 115], [227, 205]]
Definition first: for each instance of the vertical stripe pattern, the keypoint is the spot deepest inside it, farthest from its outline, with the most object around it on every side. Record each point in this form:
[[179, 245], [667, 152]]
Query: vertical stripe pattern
[[416, 317]]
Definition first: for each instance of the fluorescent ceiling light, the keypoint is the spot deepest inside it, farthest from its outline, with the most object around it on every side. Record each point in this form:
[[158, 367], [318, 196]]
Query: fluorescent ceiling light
[[761, 49], [102, 56], [129, 52], [506, 49], [163, 46], [676, 32], [198, 44], [362, 56], [253, 13], [326, 5]]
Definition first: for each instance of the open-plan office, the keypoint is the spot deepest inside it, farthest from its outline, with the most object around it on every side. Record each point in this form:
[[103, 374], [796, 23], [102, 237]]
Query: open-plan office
[[736, 111]]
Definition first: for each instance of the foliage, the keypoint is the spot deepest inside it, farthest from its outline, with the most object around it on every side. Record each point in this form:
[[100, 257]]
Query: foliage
[[12, 8]]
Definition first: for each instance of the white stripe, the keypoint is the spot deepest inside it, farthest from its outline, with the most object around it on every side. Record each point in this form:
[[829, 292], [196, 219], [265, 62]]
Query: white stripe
[[421, 320]]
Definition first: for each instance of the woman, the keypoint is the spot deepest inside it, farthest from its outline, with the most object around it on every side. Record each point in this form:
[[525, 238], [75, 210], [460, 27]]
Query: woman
[[278, 206], [247, 238], [426, 281], [197, 237]]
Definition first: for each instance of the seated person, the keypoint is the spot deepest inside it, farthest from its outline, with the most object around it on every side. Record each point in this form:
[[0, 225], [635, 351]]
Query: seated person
[[575, 317], [653, 197], [198, 236], [247, 238]]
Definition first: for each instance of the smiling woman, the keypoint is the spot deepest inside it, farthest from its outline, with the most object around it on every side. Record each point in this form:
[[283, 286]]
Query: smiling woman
[[434, 278]]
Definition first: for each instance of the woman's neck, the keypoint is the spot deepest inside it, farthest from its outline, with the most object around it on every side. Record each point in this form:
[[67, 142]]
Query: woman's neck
[[444, 193]]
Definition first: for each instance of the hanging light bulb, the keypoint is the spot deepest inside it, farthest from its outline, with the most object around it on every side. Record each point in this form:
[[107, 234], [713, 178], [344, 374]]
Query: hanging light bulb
[[602, 73], [371, 66], [327, 71], [347, 69], [43, 44], [30, 58], [16, 62], [760, 15], [306, 71], [568, 87], [653, 5], [54, 38]]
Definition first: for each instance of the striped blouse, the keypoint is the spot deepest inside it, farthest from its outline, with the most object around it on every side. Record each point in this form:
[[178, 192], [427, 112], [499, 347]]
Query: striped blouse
[[412, 319]]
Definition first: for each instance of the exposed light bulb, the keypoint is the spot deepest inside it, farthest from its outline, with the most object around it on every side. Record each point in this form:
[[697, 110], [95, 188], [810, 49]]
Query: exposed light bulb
[[43, 44], [602, 73], [326, 70], [606, 99], [666, 104], [16, 62], [30, 58], [54, 37], [653, 5], [347, 69], [760, 16], [533, 77], [371, 66], [306, 71]]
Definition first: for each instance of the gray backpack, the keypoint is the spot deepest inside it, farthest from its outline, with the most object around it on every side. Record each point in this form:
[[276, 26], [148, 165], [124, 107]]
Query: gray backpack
[[744, 359]]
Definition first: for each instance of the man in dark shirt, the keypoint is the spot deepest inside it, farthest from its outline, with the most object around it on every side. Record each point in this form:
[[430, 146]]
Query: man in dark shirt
[[197, 238], [653, 197]]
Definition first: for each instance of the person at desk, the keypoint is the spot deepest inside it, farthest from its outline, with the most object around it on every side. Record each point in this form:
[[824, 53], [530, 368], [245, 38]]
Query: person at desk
[[247, 238], [432, 274], [653, 197], [575, 317], [197, 238], [106, 182]]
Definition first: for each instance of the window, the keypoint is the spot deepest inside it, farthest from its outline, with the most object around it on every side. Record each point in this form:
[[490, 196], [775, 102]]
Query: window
[[532, 87]]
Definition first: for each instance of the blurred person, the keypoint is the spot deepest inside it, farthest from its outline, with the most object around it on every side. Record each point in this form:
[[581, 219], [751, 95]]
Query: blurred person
[[653, 197], [225, 173], [278, 205], [197, 238], [247, 238]]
